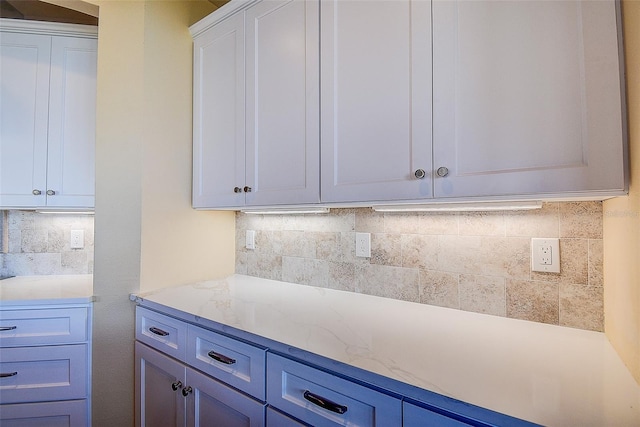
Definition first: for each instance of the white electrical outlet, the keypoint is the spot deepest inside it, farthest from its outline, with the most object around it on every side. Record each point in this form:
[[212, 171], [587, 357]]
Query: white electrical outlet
[[77, 239], [250, 239], [545, 255], [363, 245]]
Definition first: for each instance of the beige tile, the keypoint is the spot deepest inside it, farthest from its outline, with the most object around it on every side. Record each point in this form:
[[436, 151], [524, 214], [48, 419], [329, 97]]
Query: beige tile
[[534, 301], [56, 241], [316, 273], [439, 288], [438, 223], [337, 247], [481, 224], [573, 263], [298, 244], [596, 258], [386, 249], [369, 221], [267, 266], [341, 276], [269, 241], [482, 294], [389, 282], [581, 220], [73, 262], [419, 251], [34, 240], [293, 269], [241, 263], [401, 223], [582, 307], [543, 222]]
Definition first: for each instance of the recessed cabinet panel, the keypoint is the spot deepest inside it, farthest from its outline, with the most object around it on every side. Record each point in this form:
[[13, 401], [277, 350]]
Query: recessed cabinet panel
[[72, 413], [219, 120], [24, 108], [282, 102], [376, 100], [532, 106]]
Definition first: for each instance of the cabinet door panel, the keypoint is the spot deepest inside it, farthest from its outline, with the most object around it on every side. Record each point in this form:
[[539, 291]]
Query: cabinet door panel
[[218, 115], [282, 102], [72, 122], [376, 100], [215, 404], [532, 106], [156, 401], [72, 413], [24, 99]]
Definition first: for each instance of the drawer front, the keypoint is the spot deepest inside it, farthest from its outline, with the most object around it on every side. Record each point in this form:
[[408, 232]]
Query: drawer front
[[278, 419], [34, 374], [161, 332], [415, 416], [319, 398], [238, 364], [72, 413], [43, 326]]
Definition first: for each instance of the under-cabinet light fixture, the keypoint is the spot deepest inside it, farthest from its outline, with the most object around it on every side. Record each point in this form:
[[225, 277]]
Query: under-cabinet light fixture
[[286, 211], [65, 212], [462, 207]]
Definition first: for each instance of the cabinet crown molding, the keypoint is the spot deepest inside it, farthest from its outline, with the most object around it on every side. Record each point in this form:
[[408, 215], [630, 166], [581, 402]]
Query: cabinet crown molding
[[48, 28]]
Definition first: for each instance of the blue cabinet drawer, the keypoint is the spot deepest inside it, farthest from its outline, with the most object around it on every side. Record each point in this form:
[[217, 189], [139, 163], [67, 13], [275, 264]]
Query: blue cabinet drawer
[[238, 364], [161, 332], [278, 419], [319, 398], [36, 327], [415, 416]]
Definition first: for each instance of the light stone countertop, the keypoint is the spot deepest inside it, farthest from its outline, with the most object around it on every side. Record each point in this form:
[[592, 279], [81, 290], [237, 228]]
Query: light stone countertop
[[552, 375], [44, 290]]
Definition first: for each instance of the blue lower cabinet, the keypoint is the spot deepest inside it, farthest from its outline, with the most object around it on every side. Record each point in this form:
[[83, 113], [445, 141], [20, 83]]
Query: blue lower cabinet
[[278, 419], [415, 416], [321, 399]]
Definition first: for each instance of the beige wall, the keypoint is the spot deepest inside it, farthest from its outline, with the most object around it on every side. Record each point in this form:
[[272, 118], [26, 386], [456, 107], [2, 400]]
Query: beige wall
[[622, 220], [146, 234]]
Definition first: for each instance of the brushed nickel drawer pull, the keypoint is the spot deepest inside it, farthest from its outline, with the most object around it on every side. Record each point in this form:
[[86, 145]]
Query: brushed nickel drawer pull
[[221, 358], [8, 328], [158, 331], [324, 403], [8, 374]]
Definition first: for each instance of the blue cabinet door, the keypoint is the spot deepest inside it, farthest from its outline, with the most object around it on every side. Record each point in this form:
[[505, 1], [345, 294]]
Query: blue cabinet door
[[415, 416]]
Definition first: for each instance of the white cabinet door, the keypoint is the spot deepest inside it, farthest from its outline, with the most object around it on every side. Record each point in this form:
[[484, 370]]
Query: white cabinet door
[[282, 110], [375, 100], [72, 122], [527, 97], [24, 106], [218, 115]]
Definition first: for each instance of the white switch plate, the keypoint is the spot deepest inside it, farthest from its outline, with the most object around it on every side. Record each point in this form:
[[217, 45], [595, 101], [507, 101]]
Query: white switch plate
[[545, 255], [77, 239], [363, 245], [250, 239]]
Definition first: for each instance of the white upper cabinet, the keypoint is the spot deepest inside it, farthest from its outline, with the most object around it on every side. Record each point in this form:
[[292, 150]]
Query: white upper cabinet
[[260, 147], [527, 98], [376, 100], [47, 111]]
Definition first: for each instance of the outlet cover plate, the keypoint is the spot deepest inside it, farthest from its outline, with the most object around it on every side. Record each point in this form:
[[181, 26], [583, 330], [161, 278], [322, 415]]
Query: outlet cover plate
[[545, 255], [363, 245]]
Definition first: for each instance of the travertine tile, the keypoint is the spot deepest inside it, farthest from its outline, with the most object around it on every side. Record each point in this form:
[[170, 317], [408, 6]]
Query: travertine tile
[[481, 224], [543, 222], [369, 221], [342, 276], [419, 251], [401, 223], [582, 307], [534, 301], [337, 247], [267, 266], [482, 294], [596, 259], [438, 223], [573, 263], [269, 241], [298, 244], [72, 262], [316, 273], [293, 269], [386, 249], [581, 220], [34, 240], [439, 288], [241, 262], [56, 241], [390, 282]]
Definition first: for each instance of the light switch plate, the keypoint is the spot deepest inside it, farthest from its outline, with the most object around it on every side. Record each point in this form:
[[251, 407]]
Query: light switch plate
[[250, 239], [545, 255]]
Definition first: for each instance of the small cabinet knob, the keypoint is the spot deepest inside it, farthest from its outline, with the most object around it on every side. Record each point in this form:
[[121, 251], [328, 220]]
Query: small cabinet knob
[[247, 189], [237, 190], [50, 192], [176, 385], [420, 173], [442, 172], [36, 192], [186, 391]]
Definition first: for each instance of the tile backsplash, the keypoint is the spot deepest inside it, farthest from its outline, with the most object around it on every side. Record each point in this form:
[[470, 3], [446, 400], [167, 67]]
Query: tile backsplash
[[469, 261], [38, 244]]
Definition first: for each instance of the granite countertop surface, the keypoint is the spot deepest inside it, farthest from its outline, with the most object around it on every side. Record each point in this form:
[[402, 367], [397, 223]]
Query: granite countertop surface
[[551, 375], [42, 290]]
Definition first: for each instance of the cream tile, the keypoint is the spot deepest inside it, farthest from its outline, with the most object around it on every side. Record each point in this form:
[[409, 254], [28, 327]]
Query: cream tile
[[596, 258], [368, 221], [534, 301], [419, 251], [438, 223], [341, 276], [298, 244], [439, 288], [573, 263], [269, 241], [241, 263], [581, 220], [267, 266], [543, 222], [337, 247], [34, 240], [316, 273], [401, 223], [73, 262], [482, 294], [582, 307], [293, 269], [386, 249], [389, 282], [481, 224]]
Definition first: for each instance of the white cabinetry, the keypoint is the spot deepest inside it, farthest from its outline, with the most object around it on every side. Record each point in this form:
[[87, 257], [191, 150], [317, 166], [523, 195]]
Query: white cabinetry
[[531, 106], [47, 113], [44, 366], [259, 147]]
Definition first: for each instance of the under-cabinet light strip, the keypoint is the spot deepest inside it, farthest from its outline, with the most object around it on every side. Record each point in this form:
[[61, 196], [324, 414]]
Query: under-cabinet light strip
[[292, 211], [462, 207]]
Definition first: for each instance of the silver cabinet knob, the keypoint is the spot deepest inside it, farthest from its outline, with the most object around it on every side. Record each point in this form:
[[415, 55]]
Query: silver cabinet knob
[[176, 385], [420, 173], [247, 189], [186, 391], [36, 192], [237, 190], [442, 172], [50, 192]]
